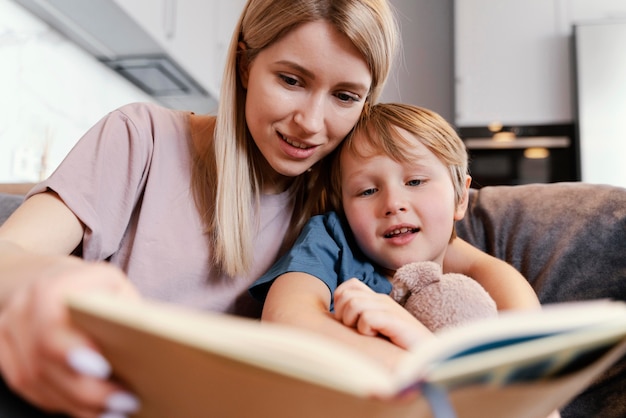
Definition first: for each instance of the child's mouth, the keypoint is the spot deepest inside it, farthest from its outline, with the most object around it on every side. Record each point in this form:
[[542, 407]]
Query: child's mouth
[[401, 231]]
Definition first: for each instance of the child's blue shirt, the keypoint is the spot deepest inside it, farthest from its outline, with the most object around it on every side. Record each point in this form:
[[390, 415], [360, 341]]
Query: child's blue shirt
[[325, 249]]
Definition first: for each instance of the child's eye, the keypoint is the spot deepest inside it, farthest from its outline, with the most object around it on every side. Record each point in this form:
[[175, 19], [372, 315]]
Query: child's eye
[[348, 97], [368, 192], [414, 182]]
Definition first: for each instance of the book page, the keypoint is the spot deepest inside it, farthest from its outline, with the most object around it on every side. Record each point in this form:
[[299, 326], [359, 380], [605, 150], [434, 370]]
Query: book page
[[515, 336], [289, 351]]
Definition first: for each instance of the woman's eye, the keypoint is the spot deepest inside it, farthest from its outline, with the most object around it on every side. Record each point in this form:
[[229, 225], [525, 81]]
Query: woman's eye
[[288, 80], [347, 97], [414, 182]]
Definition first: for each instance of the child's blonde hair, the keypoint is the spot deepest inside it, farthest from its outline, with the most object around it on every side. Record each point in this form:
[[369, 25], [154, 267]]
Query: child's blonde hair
[[226, 173], [378, 126]]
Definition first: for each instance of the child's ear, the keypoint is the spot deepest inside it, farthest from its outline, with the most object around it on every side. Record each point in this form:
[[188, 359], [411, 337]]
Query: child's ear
[[243, 66], [461, 207]]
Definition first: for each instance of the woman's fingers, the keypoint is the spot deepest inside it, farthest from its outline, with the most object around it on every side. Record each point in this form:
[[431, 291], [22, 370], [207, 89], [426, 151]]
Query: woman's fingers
[[49, 362]]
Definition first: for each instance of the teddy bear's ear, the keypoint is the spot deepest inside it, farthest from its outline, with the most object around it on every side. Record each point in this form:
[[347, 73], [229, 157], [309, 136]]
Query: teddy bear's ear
[[418, 275], [402, 283]]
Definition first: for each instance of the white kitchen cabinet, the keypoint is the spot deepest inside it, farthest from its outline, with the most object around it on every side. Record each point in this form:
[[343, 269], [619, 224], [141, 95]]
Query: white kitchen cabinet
[[511, 63], [195, 34], [513, 59], [585, 11]]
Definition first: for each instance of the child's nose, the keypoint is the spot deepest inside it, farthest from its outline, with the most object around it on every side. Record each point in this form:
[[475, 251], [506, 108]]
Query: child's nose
[[394, 204]]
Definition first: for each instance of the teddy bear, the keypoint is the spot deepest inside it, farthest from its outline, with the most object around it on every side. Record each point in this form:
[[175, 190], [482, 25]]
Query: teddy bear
[[440, 300]]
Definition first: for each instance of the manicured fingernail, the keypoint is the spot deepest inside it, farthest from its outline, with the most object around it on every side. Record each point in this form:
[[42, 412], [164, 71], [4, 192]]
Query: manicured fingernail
[[113, 415], [122, 402], [88, 362]]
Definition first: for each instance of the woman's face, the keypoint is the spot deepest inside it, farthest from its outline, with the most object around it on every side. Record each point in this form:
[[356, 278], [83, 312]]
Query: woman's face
[[305, 92]]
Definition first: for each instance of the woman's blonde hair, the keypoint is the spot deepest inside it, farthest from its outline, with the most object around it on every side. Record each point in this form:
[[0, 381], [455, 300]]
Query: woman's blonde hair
[[378, 127], [226, 175]]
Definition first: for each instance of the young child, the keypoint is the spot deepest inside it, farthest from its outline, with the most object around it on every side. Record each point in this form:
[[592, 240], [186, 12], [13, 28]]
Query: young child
[[398, 184]]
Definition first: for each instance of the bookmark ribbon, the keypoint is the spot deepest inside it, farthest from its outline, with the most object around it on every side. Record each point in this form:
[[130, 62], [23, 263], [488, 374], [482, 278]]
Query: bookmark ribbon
[[438, 400]]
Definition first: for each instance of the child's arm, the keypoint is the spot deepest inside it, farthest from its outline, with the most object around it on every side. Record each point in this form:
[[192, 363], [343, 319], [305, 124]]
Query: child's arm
[[504, 283], [303, 300]]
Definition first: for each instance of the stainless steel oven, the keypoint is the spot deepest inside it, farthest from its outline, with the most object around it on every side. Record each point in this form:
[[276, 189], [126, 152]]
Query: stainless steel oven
[[510, 155]]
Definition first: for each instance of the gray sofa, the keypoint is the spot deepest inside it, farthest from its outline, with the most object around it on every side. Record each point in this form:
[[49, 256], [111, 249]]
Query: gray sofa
[[8, 203], [567, 239]]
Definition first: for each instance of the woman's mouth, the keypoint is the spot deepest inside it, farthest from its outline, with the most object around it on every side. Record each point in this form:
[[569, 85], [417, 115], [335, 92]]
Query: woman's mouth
[[295, 144]]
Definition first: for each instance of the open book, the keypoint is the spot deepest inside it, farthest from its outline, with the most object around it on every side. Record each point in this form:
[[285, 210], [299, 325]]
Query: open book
[[184, 363]]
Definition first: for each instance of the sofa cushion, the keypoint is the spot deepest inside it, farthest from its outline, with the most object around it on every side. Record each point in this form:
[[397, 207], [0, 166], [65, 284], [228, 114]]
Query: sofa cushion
[[567, 239], [8, 203]]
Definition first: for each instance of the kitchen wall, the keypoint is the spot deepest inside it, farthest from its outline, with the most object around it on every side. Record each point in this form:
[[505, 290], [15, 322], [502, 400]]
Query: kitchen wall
[[423, 74], [51, 92]]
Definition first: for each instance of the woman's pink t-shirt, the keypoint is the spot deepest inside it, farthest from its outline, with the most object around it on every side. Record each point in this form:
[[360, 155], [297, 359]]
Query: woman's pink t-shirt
[[128, 181]]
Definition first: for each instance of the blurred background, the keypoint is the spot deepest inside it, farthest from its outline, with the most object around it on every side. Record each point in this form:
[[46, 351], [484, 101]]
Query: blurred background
[[536, 88]]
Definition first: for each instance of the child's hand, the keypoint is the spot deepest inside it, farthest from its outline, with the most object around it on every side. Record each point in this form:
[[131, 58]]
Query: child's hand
[[371, 313]]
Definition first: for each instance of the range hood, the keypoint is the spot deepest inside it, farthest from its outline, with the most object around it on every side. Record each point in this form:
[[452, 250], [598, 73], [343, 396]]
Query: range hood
[[105, 30]]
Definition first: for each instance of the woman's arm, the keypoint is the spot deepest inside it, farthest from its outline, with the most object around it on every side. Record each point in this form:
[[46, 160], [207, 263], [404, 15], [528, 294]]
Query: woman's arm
[[302, 300], [505, 284], [36, 337], [41, 232]]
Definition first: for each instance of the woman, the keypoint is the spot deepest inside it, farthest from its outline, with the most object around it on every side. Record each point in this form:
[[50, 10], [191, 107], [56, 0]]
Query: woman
[[189, 209]]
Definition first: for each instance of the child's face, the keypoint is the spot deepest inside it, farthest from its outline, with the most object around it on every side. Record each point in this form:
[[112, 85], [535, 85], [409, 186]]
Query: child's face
[[399, 212]]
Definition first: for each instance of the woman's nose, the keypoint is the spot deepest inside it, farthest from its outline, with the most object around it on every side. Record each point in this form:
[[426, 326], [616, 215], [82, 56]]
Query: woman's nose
[[310, 116]]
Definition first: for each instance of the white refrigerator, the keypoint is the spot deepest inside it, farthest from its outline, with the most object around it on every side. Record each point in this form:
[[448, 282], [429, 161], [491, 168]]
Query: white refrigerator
[[600, 53]]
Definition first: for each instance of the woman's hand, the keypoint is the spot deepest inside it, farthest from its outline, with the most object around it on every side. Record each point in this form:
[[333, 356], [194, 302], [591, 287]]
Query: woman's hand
[[44, 358], [373, 314]]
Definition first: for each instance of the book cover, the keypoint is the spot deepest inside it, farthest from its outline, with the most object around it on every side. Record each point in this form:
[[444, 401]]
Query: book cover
[[187, 363]]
